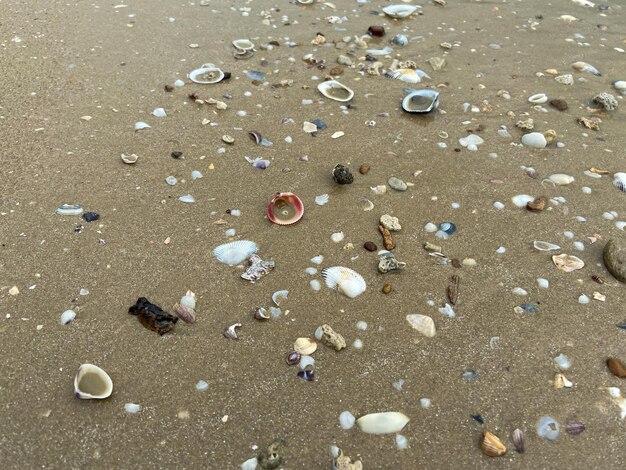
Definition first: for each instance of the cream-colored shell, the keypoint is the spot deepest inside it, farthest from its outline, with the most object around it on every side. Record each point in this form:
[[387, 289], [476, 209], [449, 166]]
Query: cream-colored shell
[[305, 346], [422, 323], [80, 392]]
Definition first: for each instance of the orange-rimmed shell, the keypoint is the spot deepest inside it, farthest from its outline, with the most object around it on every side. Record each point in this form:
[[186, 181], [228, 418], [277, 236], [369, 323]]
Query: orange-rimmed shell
[[285, 209]]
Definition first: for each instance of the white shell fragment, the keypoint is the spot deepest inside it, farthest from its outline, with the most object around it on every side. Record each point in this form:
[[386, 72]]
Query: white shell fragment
[[243, 44], [70, 209], [345, 280], [334, 90], [346, 420], [619, 181], [422, 323], [399, 11], [545, 246], [207, 74], [280, 296], [141, 125], [337, 237], [132, 408], [382, 423], [129, 159], [188, 198], [159, 112], [235, 252], [91, 382], [471, 139], [67, 317], [521, 200], [561, 179], [250, 464], [322, 199], [538, 98]]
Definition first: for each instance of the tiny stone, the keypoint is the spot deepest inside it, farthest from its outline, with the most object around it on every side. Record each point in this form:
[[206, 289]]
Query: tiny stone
[[364, 169], [177, 154], [387, 288], [456, 263], [370, 246], [376, 31], [559, 104], [617, 367], [397, 184]]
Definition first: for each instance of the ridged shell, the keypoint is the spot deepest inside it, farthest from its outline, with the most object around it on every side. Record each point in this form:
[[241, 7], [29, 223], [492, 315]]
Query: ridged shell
[[567, 263], [235, 252], [382, 423], [185, 313], [517, 437], [99, 386], [345, 280], [619, 181], [422, 323], [492, 446], [322, 199], [399, 11], [305, 346], [334, 90], [207, 74], [285, 209]]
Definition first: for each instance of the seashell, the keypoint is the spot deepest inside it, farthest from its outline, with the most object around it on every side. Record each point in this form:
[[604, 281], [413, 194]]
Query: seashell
[[261, 313], [521, 200], [141, 125], [285, 209], [159, 112], [207, 74], [188, 300], [447, 227], [585, 67], [231, 331], [421, 101], [70, 209], [306, 2], [67, 317], [307, 363], [305, 346], [243, 44], [365, 204], [400, 40], [279, 296], [293, 358], [185, 313], [538, 98], [91, 382], [405, 75], [517, 437], [345, 280], [562, 362], [545, 246], [255, 137], [548, 428], [188, 198], [560, 381], [491, 445], [567, 263], [560, 179], [619, 181], [568, 18], [386, 50], [317, 259], [342, 175], [346, 420], [234, 253], [382, 423], [337, 237], [620, 85], [387, 262], [534, 140], [334, 90], [343, 462], [257, 268], [132, 408], [399, 11], [322, 199], [129, 159], [258, 162], [422, 323], [574, 427], [242, 55], [471, 139]]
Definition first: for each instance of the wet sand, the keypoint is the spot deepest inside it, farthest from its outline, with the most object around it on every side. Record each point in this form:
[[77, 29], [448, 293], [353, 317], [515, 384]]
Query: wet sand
[[61, 62]]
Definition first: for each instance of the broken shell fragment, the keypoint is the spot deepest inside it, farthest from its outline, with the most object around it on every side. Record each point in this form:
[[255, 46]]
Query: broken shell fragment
[[92, 383], [585, 67], [619, 181], [207, 74], [334, 90], [545, 246], [332, 338], [422, 323], [257, 268], [382, 423], [567, 263], [231, 331], [305, 346], [261, 313], [421, 101], [343, 462], [345, 280], [279, 296], [285, 209], [399, 11], [129, 159], [492, 446]]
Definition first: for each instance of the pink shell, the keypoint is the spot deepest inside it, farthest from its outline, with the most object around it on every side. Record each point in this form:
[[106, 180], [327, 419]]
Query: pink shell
[[285, 209]]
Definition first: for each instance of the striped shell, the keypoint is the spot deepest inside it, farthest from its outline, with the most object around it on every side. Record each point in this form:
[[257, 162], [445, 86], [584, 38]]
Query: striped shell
[[185, 313], [236, 252], [345, 280], [619, 181]]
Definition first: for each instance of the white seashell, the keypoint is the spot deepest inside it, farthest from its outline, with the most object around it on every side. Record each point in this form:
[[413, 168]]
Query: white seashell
[[422, 323], [568, 18], [250, 464], [195, 174], [306, 2], [141, 125], [561, 179], [334, 90], [543, 283], [378, 190], [620, 224], [159, 112], [346, 420], [619, 181], [322, 199], [315, 285], [91, 382], [70, 209], [399, 11], [430, 227], [345, 280], [421, 101], [188, 198], [538, 98], [317, 259], [471, 139], [310, 271], [448, 311], [67, 317], [132, 408], [235, 252], [545, 246], [171, 180], [202, 385], [207, 74], [385, 51], [425, 403], [402, 442], [562, 362], [521, 200], [279, 296], [358, 344], [534, 140], [243, 44], [405, 75], [620, 85], [305, 346], [337, 237], [306, 361], [585, 67], [382, 423], [548, 428], [188, 300], [129, 159]]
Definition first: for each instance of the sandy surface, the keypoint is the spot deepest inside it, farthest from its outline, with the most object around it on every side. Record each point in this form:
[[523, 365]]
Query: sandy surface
[[61, 61]]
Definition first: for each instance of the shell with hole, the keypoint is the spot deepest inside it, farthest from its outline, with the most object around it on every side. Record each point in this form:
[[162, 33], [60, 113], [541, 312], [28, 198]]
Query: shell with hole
[[285, 209], [399, 11], [345, 280], [92, 383], [235, 252], [421, 101], [207, 74], [334, 90]]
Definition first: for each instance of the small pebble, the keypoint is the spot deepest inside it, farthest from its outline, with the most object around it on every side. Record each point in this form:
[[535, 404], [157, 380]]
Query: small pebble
[[397, 184], [201, 386], [583, 299], [358, 344], [387, 288], [425, 403], [370, 246], [364, 169], [543, 283]]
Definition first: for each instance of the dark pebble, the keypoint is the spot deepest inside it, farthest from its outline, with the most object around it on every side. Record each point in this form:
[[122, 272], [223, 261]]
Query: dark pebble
[[376, 31], [370, 246], [169, 88], [177, 154], [559, 104], [457, 263], [91, 216]]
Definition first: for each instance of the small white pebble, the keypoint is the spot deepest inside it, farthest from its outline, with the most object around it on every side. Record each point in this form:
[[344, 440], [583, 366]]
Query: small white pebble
[[608, 216], [361, 325], [442, 145], [235, 212], [310, 271], [500, 250], [425, 403], [230, 232], [583, 299], [430, 227], [315, 285], [580, 218], [201, 386], [569, 234], [519, 291], [241, 113], [563, 362], [247, 94], [288, 139], [132, 408], [346, 420], [498, 205], [402, 442], [586, 190], [84, 292], [358, 344], [543, 283], [67, 317], [455, 205], [430, 302], [580, 246]]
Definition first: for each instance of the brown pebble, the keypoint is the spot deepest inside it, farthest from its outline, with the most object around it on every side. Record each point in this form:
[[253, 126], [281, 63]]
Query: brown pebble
[[370, 246], [559, 104], [376, 31], [387, 238], [169, 88], [538, 204], [336, 71], [387, 288], [364, 169], [617, 367], [457, 263]]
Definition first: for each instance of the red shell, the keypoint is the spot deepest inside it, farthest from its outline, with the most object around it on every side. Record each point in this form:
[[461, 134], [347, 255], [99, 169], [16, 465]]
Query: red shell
[[285, 209]]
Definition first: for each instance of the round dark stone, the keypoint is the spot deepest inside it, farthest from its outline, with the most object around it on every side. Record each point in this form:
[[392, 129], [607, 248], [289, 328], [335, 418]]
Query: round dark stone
[[376, 31], [370, 246]]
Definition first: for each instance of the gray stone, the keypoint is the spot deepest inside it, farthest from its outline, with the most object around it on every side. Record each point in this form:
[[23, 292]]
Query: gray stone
[[615, 258], [397, 184], [344, 60]]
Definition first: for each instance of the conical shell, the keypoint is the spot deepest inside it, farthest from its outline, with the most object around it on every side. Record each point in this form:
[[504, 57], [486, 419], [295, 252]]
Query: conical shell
[[334, 90], [207, 74], [188, 300], [492, 446], [345, 280], [236, 252], [285, 209], [91, 382], [567, 263], [422, 323], [382, 423], [305, 346]]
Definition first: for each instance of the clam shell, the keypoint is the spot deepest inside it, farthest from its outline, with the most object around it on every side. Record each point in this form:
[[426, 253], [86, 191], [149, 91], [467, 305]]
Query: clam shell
[[421, 101], [405, 75], [285, 209], [70, 209], [567, 263], [382, 423], [422, 323], [91, 382], [185, 313], [492, 446], [207, 74], [243, 44], [561, 179], [305, 346], [399, 11], [619, 181], [334, 90], [129, 159], [236, 252], [345, 280], [545, 246], [279, 296]]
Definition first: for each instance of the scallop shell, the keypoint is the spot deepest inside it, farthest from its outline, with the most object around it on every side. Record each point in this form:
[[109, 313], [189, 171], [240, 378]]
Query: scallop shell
[[322, 199], [91, 382], [285, 209], [334, 90], [345, 280], [305, 346], [422, 323], [382, 423], [207, 74], [421, 101], [567, 263], [236, 252], [399, 11], [492, 446], [243, 44], [619, 181]]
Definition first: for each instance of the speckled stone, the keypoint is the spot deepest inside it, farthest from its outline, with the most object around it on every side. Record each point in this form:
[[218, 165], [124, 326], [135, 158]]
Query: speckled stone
[[397, 184], [615, 258]]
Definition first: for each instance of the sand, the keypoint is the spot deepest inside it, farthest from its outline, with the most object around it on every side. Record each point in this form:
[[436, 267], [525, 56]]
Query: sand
[[63, 61]]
